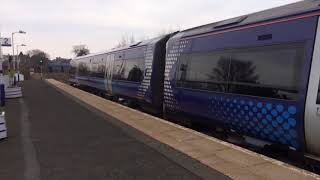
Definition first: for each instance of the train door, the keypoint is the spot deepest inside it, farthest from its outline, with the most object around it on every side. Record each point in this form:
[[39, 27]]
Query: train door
[[312, 111], [109, 71]]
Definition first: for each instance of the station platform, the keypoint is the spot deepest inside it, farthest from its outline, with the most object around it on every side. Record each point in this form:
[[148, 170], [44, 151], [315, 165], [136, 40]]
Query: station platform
[[53, 137], [59, 132], [233, 161]]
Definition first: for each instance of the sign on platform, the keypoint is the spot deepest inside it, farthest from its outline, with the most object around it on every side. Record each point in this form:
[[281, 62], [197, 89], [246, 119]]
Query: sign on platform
[[5, 41]]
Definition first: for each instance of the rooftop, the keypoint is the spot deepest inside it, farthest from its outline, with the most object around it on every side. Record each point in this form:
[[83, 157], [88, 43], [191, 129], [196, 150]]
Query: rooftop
[[300, 7]]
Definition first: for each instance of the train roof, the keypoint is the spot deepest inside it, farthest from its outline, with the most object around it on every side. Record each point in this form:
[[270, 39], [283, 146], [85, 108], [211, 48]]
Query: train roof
[[135, 45], [297, 8]]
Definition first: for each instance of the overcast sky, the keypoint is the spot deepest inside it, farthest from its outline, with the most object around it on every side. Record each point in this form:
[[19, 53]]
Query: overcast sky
[[54, 26]]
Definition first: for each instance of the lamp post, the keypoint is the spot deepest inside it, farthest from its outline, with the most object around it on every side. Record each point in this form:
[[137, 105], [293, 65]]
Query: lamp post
[[17, 46], [1, 72], [18, 60], [0, 47], [12, 34]]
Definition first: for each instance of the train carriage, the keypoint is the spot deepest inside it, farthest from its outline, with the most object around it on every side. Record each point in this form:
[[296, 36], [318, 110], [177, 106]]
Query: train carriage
[[251, 75], [133, 73]]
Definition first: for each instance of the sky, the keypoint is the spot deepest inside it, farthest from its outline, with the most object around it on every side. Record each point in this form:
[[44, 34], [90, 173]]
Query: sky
[[55, 26]]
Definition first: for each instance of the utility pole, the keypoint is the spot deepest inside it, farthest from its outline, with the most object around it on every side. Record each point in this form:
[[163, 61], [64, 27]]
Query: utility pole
[[0, 47], [13, 51], [1, 57], [41, 71], [12, 43], [41, 66], [18, 61]]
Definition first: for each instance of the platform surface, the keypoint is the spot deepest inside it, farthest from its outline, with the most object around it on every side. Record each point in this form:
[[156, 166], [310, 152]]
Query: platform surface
[[231, 160], [53, 137]]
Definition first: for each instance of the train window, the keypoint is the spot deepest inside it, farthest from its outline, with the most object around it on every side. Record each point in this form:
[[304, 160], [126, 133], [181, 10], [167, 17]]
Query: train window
[[83, 69], [129, 70], [93, 69], [204, 71], [97, 68], [134, 69], [101, 70], [270, 71], [118, 70], [73, 68]]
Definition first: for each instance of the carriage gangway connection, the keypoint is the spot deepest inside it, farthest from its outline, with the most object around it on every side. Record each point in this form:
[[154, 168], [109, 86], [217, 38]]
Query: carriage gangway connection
[[57, 131]]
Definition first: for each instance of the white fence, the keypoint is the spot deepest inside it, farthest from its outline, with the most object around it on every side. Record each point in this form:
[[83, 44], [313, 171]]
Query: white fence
[[3, 127], [13, 92]]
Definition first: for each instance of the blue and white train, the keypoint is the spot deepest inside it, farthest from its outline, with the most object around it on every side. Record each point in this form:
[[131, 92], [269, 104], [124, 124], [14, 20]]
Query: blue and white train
[[257, 75]]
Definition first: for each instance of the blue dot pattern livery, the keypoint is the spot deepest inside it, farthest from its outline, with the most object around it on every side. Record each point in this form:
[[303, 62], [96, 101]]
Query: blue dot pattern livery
[[274, 122]]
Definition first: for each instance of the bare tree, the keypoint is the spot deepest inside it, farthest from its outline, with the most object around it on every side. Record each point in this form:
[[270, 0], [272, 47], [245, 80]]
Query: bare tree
[[168, 30], [80, 50], [132, 39], [143, 38], [126, 40], [38, 59], [38, 53]]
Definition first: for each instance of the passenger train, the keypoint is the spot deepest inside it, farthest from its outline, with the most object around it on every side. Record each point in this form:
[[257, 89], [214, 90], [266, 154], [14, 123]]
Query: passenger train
[[256, 75]]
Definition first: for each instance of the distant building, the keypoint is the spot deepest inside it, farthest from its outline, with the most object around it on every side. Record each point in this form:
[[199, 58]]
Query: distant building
[[59, 65]]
